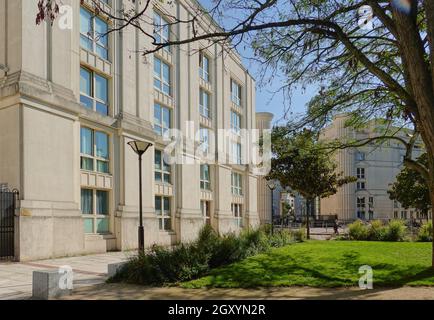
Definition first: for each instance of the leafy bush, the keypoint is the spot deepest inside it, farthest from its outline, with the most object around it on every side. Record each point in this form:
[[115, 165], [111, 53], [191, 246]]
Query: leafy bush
[[376, 231], [358, 231], [395, 231], [425, 232], [189, 261]]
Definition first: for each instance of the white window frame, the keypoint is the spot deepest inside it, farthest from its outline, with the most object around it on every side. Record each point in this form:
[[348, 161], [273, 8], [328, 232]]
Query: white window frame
[[95, 36], [204, 72], [361, 206], [236, 97], [237, 212], [94, 156], [163, 217], [205, 184], [361, 173], [237, 184], [205, 207], [95, 100], [361, 185], [94, 216], [205, 110], [164, 173], [158, 29], [235, 122], [160, 77], [162, 127], [237, 153], [204, 139]]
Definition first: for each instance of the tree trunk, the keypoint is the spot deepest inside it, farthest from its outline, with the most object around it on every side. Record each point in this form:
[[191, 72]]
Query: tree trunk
[[427, 219], [308, 204]]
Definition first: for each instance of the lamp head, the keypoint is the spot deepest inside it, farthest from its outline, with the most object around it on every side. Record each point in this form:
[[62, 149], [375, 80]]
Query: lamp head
[[140, 147]]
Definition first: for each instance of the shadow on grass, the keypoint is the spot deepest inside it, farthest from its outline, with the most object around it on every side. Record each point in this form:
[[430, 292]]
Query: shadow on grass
[[274, 269]]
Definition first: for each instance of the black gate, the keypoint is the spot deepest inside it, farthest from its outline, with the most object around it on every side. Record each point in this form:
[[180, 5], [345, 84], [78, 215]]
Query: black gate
[[7, 223]]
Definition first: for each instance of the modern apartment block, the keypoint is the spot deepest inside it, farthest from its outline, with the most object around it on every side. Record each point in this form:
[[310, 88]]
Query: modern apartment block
[[70, 101], [375, 167]]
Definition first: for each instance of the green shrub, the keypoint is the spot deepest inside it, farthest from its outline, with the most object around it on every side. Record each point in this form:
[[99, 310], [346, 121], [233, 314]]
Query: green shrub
[[376, 231], [358, 231], [395, 231], [185, 262], [283, 238], [425, 232]]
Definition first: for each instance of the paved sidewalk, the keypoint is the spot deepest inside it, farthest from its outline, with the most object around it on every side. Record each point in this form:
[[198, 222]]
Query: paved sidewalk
[[16, 278], [134, 292]]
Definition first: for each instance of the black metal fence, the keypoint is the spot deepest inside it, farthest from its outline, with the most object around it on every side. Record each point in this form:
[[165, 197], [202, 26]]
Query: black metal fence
[[7, 223]]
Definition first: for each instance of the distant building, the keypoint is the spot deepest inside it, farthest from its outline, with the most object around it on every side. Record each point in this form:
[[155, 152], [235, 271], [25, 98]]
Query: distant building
[[375, 167]]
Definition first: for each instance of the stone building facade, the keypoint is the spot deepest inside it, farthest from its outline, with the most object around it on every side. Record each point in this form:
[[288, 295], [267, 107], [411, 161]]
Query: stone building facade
[[70, 102], [375, 167]]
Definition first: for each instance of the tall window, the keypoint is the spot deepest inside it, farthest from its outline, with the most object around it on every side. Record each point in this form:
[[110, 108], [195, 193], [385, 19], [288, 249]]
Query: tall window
[[204, 103], [361, 207], [95, 210], [205, 177], [162, 76], [236, 153], [204, 139], [93, 34], [361, 185], [206, 212], [360, 156], [162, 119], [162, 209], [236, 92], [360, 173], [94, 149], [404, 215], [162, 169], [238, 214], [235, 122], [94, 91], [237, 184], [204, 67], [161, 30]]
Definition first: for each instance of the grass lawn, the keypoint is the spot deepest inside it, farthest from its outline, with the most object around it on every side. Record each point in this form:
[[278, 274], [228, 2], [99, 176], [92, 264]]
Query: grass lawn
[[327, 264]]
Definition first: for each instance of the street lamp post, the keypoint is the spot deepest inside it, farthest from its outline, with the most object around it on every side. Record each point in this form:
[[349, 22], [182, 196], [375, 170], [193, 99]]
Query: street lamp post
[[272, 186], [140, 147]]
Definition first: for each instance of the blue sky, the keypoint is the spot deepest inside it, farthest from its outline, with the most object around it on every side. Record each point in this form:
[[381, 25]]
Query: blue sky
[[266, 100]]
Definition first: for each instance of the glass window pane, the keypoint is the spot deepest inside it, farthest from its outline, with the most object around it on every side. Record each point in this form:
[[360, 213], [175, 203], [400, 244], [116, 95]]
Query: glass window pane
[[86, 201], [102, 108], [85, 42], [157, 160], [103, 166], [86, 164], [157, 68], [88, 225], [167, 205], [102, 52], [157, 114], [158, 177], [158, 205], [85, 82], [101, 29], [167, 224], [166, 73], [86, 102], [166, 178], [85, 22], [102, 203], [101, 88], [102, 145], [86, 141], [102, 225], [166, 118]]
